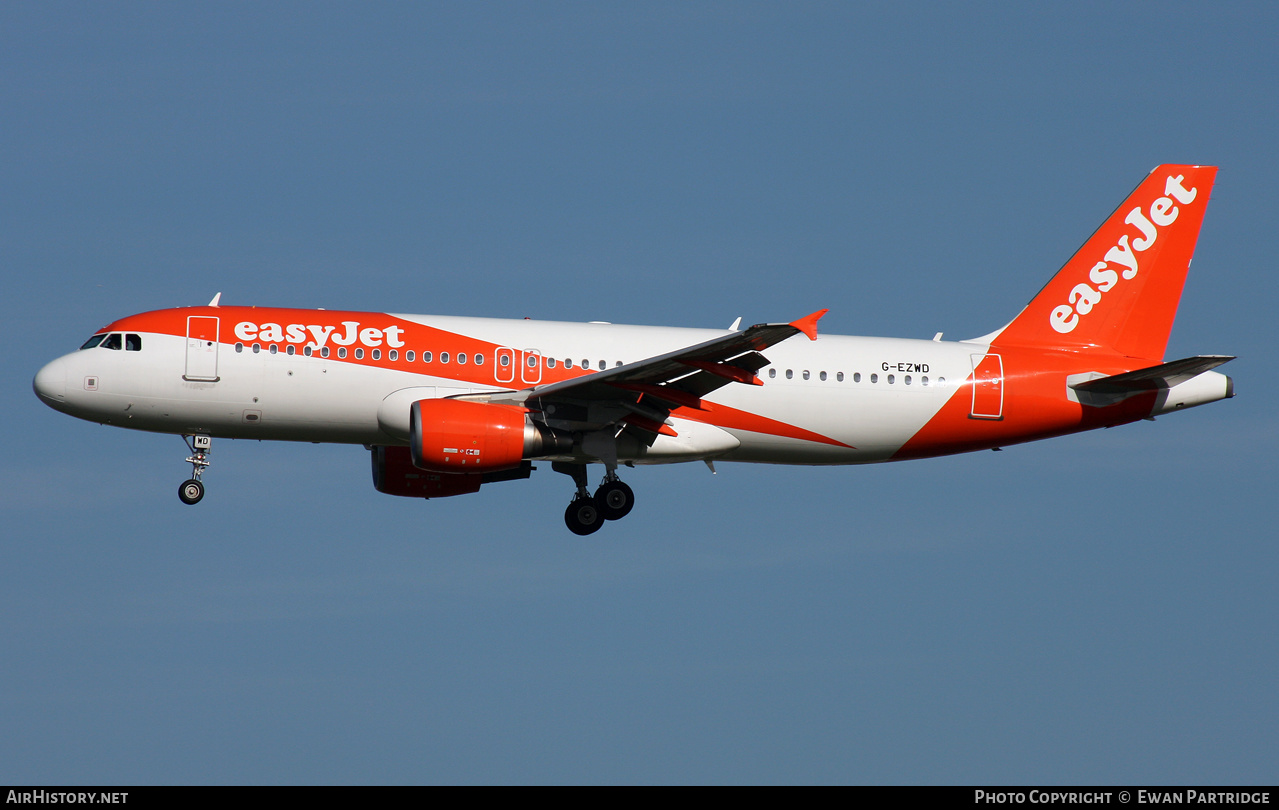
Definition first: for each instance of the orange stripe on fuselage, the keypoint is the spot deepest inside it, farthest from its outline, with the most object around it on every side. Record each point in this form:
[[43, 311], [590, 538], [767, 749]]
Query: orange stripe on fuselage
[[417, 338], [413, 337], [734, 419]]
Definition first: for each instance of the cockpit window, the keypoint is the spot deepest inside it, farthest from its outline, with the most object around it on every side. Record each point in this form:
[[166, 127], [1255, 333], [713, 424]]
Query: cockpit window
[[92, 342], [113, 341], [133, 343]]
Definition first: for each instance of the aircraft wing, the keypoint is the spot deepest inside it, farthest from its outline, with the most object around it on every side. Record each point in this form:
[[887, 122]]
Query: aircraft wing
[[642, 394]]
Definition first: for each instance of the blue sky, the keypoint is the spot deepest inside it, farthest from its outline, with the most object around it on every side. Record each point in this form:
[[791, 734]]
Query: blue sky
[[1094, 609]]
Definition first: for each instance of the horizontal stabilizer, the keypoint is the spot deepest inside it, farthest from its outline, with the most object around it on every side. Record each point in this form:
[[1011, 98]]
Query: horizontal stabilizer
[[1165, 375]]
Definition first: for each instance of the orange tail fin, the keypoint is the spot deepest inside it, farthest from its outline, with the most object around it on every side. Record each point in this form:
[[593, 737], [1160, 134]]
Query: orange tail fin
[[1119, 293]]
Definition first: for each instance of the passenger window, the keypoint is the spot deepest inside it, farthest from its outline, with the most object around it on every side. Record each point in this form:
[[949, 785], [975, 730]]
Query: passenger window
[[426, 357], [906, 379], [603, 365], [461, 358], [306, 350], [772, 373], [892, 378], [505, 360], [342, 353], [359, 354], [325, 351], [112, 341], [479, 359], [292, 350], [377, 354], [93, 342], [923, 380], [839, 376], [790, 375], [274, 349], [822, 376], [409, 355], [239, 347], [874, 378], [586, 364], [444, 357], [393, 355], [941, 380], [257, 347], [133, 343], [568, 362], [806, 374], [550, 362]]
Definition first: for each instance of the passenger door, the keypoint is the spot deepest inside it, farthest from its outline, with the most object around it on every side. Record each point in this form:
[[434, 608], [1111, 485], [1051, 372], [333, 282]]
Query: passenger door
[[202, 349], [988, 387]]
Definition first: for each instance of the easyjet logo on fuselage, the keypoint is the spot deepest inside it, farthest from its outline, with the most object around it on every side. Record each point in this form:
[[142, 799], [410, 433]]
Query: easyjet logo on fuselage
[[318, 335], [1122, 258]]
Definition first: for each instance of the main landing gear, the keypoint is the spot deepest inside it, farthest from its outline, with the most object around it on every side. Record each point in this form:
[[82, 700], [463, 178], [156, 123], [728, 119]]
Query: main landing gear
[[613, 500], [192, 489]]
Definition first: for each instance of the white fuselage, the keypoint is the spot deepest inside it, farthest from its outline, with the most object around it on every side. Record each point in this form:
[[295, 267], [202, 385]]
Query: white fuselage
[[836, 386]]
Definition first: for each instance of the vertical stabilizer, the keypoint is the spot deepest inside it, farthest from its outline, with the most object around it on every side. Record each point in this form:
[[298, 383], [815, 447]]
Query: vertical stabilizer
[[1119, 293]]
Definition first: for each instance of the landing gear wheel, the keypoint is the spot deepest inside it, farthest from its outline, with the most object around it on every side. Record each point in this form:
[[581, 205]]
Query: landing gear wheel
[[615, 500], [191, 491], [583, 516]]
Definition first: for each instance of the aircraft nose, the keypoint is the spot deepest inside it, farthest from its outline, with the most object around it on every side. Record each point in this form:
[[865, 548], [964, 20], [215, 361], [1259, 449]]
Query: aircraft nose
[[50, 384]]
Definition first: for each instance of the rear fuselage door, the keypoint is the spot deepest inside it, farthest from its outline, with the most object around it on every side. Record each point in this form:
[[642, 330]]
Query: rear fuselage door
[[202, 349], [988, 387]]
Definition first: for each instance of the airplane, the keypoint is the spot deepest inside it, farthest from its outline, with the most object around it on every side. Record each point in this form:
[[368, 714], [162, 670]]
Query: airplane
[[446, 405]]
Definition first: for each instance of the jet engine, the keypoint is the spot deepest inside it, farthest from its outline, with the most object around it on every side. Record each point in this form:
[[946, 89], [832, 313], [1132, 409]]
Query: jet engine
[[455, 436]]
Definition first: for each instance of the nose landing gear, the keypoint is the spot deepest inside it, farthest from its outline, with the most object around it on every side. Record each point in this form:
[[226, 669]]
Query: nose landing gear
[[192, 489]]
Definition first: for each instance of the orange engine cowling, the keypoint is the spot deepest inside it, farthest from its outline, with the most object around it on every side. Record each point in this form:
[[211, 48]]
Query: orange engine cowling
[[453, 436]]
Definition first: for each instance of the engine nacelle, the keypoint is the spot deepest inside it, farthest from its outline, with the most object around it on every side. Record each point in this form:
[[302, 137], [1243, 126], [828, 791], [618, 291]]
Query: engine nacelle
[[455, 436], [394, 474]]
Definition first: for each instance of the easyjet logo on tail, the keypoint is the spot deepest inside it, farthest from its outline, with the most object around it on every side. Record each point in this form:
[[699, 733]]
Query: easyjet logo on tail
[[1121, 260]]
